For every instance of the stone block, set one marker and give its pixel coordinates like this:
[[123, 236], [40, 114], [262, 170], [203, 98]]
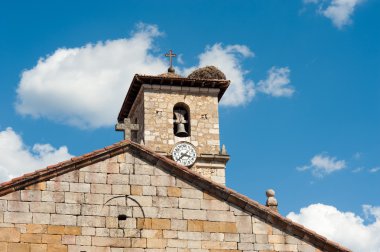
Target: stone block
[[41, 218], [197, 236], [95, 210], [72, 230], [19, 247], [79, 187], [285, 247], [68, 239], [17, 217], [126, 168], [117, 179], [165, 202], [175, 243], [31, 195], [56, 197], [265, 247], [189, 203], [9, 235], [260, 228], [163, 181], [89, 230], [57, 186], [195, 225], [100, 188], [53, 229], [174, 192], [56, 248], [160, 223], [18, 206], [214, 205], [220, 216], [112, 167], [39, 186], [180, 225], [138, 242], [3, 246], [12, 196], [49, 238], [232, 237], [36, 229], [94, 198], [46, 207], [30, 238], [63, 219], [194, 214], [91, 221], [139, 179], [83, 240], [95, 178], [276, 239], [156, 243], [73, 197], [152, 234], [149, 190], [111, 242], [170, 213], [38, 247], [219, 227], [243, 224], [122, 189], [68, 177], [192, 193], [259, 238]]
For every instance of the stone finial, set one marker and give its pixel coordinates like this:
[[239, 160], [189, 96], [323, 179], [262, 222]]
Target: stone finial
[[224, 150], [271, 200]]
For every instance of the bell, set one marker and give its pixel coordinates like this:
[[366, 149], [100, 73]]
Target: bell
[[181, 131]]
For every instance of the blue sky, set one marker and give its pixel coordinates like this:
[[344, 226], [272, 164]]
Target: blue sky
[[303, 116]]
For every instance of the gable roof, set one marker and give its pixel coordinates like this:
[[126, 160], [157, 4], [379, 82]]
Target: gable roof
[[139, 80], [217, 190]]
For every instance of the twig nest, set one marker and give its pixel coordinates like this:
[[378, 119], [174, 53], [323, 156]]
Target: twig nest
[[170, 75], [208, 72]]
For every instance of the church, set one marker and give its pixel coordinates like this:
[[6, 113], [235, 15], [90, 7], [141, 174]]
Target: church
[[160, 189]]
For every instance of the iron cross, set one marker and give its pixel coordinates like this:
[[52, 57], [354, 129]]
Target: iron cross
[[170, 55], [127, 127]]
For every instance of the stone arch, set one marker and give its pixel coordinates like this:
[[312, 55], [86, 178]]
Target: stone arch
[[181, 120]]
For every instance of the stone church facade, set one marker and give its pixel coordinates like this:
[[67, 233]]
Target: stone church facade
[[132, 196]]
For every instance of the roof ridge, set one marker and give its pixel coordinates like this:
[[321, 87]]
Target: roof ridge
[[218, 190]]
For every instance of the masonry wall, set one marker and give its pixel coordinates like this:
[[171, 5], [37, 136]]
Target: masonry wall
[[79, 212], [158, 109]]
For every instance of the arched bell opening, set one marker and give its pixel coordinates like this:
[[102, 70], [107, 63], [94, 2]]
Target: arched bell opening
[[181, 120]]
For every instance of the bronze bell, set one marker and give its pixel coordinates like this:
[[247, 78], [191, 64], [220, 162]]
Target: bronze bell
[[181, 131]]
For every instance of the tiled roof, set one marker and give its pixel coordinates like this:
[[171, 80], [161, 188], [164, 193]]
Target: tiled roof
[[207, 185], [169, 80]]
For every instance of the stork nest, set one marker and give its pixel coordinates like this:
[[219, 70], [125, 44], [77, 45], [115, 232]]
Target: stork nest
[[208, 72]]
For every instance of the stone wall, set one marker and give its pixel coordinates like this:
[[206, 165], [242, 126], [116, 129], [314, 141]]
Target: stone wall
[[158, 109], [80, 211]]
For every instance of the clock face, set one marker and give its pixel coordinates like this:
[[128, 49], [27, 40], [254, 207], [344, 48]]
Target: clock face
[[184, 153]]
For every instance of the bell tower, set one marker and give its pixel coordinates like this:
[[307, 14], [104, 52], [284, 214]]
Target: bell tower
[[178, 117]]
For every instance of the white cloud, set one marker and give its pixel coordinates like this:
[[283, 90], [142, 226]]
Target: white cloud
[[338, 11], [375, 169], [85, 86], [322, 164], [346, 228], [277, 82], [16, 158], [228, 60]]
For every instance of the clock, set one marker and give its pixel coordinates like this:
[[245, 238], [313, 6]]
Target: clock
[[184, 153]]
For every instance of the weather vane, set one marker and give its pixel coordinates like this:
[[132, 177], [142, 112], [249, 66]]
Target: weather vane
[[170, 55]]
